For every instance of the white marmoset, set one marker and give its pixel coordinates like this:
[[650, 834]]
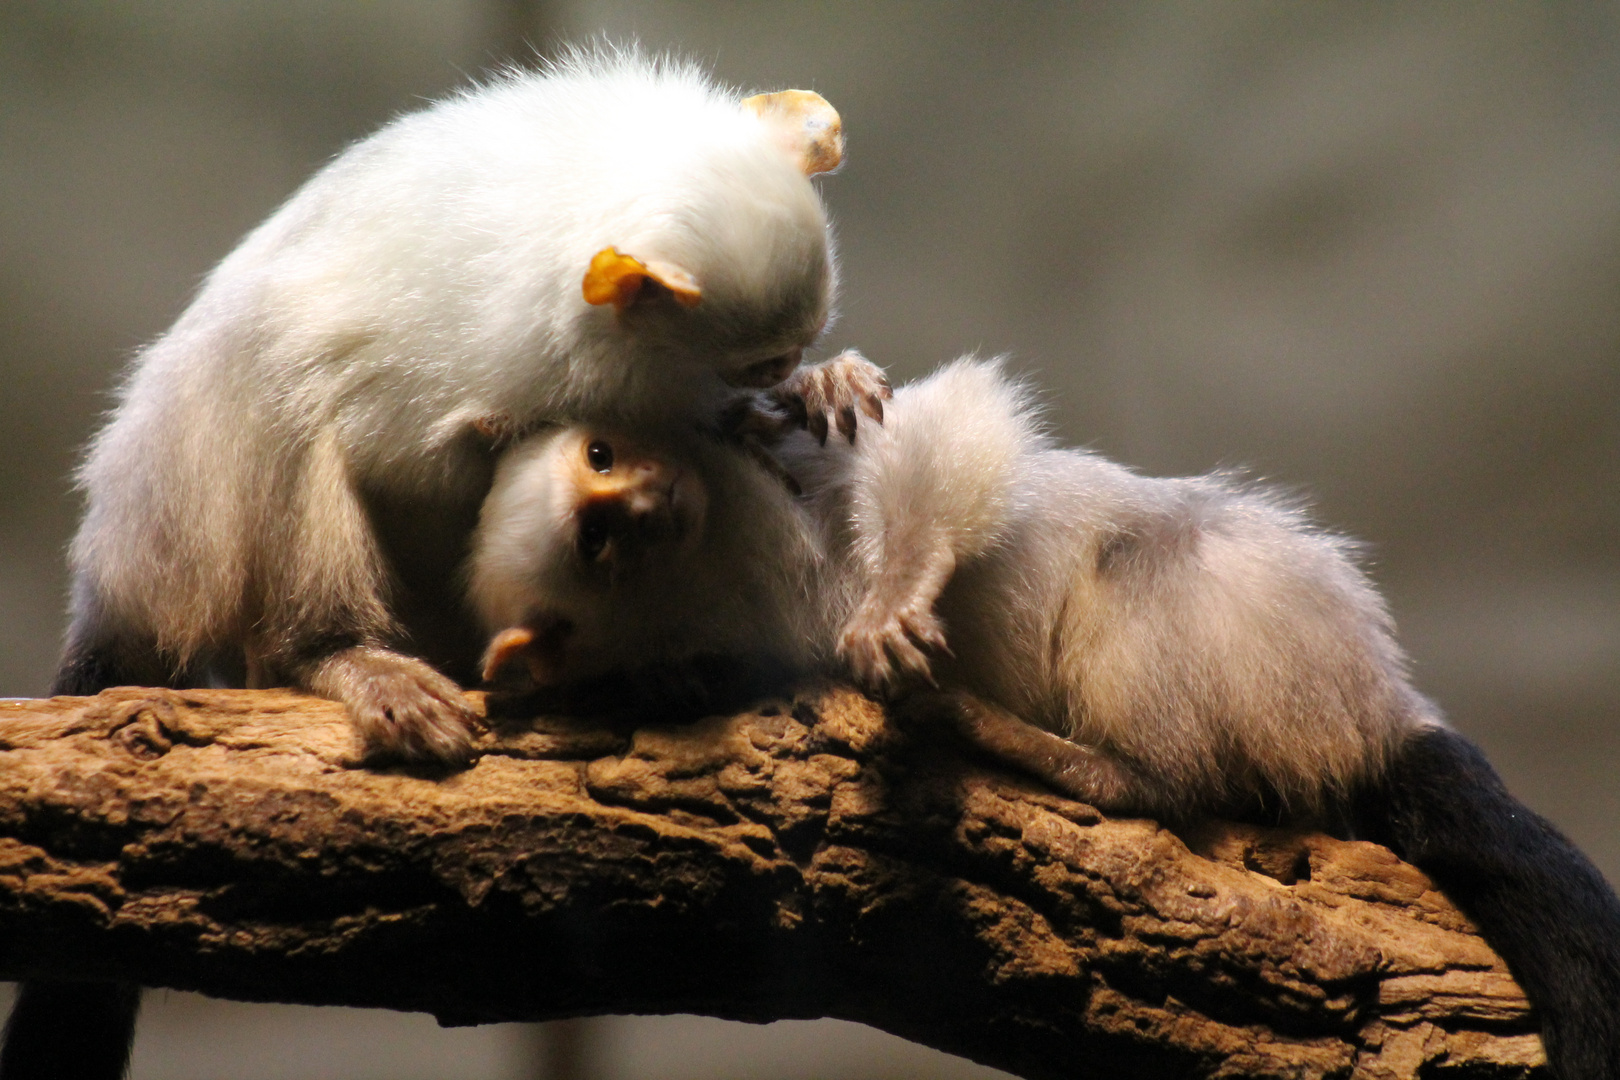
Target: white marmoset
[[1169, 647], [292, 469]]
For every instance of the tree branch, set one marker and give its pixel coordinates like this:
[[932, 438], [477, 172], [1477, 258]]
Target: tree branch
[[808, 859]]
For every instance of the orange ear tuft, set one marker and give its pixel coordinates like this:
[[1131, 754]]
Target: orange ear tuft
[[506, 645], [805, 126], [542, 642], [616, 278]]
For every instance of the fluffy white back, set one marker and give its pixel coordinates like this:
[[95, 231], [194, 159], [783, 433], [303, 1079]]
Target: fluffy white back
[[1199, 630], [426, 282]]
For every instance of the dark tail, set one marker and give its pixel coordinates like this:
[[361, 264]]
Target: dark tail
[[1540, 903], [70, 1031]]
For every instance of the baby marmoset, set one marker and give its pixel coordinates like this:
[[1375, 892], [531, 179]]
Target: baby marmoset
[[291, 469], [1175, 648]]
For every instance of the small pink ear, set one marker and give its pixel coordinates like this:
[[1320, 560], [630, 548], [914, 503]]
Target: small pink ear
[[616, 278], [805, 125]]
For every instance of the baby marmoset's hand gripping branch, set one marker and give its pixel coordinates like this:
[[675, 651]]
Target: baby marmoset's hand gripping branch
[[1176, 648], [293, 469]]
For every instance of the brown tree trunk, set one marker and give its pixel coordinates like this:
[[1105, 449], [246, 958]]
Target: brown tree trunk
[[806, 859]]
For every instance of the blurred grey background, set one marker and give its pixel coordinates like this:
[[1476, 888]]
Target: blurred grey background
[[1369, 251]]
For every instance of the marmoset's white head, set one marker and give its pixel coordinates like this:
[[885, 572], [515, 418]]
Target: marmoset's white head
[[600, 552], [579, 541], [599, 239]]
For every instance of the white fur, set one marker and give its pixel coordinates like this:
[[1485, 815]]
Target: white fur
[[1197, 632], [427, 279], [913, 486], [753, 583]]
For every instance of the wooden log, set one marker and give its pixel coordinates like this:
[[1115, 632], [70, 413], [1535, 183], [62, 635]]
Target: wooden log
[[808, 858]]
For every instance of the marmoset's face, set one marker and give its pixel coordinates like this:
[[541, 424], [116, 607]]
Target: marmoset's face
[[632, 509], [625, 516]]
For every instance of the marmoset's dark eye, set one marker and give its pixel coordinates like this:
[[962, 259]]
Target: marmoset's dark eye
[[600, 456]]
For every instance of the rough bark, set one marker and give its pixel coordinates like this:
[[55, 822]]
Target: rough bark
[[805, 859]]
